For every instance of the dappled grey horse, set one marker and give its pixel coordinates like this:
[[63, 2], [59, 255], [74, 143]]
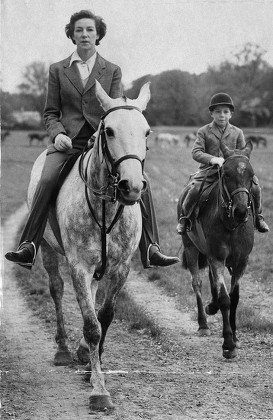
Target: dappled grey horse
[[99, 219]]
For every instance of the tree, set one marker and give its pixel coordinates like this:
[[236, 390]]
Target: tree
[[35, 84]]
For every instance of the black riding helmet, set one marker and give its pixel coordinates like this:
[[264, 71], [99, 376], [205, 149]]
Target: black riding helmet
[[221, 99]]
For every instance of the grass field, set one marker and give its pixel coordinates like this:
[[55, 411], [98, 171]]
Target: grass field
[[168, 170]]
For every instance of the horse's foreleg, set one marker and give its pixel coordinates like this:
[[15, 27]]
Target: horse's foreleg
[[212, 307], [234, 298], [217, 273], [107, 310], [100, 398], [56, 286], [192, 254]]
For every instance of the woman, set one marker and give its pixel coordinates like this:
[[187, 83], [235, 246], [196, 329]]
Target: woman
[[72, 114]]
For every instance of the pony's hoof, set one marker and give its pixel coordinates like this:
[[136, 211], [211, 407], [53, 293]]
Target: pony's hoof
[[229, 354], [211, 309], [204, 332], [62, 358], [100, 403], [83, 354]]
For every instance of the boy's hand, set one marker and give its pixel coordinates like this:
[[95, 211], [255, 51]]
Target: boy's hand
[[217, 161], [62, 142]]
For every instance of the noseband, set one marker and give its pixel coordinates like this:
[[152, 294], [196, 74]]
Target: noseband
[[228, 202]]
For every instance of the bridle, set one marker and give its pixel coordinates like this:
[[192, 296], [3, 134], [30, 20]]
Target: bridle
[[106, 192], [226, 197]]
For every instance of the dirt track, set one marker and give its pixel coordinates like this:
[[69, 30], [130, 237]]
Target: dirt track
[[189, 381]]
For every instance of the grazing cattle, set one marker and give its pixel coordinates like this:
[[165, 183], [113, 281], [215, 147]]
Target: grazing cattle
[[4, 135], [191, 137], [257, 140], [166, 140], [98, 217], [38, 137], [222, 235]]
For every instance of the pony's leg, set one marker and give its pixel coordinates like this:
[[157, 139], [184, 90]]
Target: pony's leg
[[234, 298], [217, 273], [212, 307], [192, 255], [100, 398], [107, 310], [56, 286]]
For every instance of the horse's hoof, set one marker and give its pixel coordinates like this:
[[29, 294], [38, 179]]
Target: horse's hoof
[[229, 354], [83, 354], [62, 358], [204, 332], [87, 374], [211, 309], [100, 403]]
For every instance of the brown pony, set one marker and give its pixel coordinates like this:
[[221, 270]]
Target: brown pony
[[222, 235]]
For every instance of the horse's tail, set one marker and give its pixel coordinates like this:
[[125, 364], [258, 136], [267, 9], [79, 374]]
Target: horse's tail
[[202, 261]]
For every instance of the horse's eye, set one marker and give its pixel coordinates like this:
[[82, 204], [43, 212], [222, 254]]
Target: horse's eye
[[109, 132]]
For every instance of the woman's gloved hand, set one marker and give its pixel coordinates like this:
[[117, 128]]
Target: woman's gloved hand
[[62, 142]]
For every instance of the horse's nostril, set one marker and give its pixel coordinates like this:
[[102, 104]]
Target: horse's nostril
[[145, 184], [123, 185]]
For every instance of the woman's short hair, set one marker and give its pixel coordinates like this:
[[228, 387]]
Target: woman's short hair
[[99, 22]]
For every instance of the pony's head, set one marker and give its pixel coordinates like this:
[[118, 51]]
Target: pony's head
[[123, 141], [236, 179]]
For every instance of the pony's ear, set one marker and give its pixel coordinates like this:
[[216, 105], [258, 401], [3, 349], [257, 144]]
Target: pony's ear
[[144, 96], [248, 149], [225, 150], [102, 96]]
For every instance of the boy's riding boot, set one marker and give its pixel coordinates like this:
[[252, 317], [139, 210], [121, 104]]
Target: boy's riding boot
[[261, 225]]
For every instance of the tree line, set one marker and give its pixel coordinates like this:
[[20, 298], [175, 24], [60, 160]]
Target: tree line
[[178, 97]]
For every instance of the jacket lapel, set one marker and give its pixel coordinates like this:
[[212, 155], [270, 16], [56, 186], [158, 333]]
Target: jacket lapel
[[215, 130], [227, 130], [96, 73], [73, 75]]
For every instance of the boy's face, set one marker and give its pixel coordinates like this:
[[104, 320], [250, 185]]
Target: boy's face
[[221, 115]]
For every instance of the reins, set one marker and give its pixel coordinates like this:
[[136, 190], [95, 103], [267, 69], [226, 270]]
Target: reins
[[107, 192]]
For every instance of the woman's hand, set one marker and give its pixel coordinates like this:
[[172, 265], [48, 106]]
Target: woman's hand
[[62, 142], [217, 161]]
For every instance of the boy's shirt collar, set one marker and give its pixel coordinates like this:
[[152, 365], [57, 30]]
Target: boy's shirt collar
[[217, 130]]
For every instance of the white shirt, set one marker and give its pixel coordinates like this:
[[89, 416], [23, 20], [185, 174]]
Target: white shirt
[[85, 67]]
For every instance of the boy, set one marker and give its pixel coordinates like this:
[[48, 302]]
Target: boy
[[207, 152]]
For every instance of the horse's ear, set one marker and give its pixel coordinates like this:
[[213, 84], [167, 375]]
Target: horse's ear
[[144, 96], [225, 150], [248, 148], [102, 96]]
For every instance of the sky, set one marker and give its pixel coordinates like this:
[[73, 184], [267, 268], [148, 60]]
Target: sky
[[143, 36]]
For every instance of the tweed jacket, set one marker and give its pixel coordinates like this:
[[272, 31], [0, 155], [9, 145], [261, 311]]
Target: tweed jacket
[[207, 143], [69, 104]]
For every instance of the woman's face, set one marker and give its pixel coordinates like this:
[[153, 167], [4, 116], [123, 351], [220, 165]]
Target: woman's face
[[85, 34]]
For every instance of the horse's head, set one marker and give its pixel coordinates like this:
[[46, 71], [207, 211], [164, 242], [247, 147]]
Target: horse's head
[[123, 141], [236, 181]]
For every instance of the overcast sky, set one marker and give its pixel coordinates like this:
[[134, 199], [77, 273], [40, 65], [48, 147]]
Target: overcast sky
[[143, 36]]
